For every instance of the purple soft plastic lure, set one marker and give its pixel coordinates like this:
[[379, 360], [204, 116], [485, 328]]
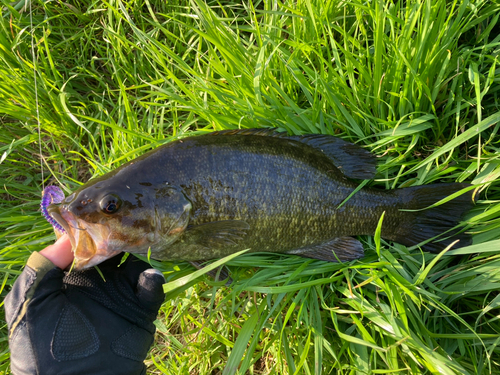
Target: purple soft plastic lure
[[51, 194]]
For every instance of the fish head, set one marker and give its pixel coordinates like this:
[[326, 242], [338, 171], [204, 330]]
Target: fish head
[[103, 219]]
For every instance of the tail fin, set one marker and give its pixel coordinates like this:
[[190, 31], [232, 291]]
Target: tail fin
[[422, 225]]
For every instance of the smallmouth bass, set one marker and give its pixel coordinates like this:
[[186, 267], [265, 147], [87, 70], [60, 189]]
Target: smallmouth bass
[[208, 196]]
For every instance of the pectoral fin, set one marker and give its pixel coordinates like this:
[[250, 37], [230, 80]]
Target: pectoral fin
[[218, 234], [206, 241], [341, 248]]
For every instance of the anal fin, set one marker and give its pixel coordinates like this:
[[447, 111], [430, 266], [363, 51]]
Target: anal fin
[[342, 248]]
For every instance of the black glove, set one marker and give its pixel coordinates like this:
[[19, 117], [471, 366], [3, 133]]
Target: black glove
[[77, 323]]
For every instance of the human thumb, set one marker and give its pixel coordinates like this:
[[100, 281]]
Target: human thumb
[[60, 253]]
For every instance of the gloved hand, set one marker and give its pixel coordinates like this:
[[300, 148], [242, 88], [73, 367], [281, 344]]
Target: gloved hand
[[77, 323]]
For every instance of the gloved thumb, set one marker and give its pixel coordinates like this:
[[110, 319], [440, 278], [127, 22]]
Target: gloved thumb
[[150, 289], [49, 279], [41, 277]]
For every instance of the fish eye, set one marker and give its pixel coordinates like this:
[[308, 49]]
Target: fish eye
[[110, 204]]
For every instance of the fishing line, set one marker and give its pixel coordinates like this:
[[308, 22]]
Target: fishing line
[[36, 92]]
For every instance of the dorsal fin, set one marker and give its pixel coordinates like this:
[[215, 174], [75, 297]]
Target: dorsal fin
[[352, 160]]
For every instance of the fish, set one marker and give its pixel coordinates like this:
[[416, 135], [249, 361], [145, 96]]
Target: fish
[[211, 195]]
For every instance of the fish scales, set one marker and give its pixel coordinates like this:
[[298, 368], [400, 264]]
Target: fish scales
[[209, 196], [294, 194]]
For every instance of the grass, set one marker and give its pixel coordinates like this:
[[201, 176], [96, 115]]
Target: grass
[[415, 81]]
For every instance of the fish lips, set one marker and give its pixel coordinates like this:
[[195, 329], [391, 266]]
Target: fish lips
[[55, 212], [89, 242]]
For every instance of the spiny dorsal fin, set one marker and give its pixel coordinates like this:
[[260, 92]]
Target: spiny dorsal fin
[[352, 160]]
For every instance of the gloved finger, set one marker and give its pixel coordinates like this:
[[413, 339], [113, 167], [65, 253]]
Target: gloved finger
[[131, 270], [127, 271], [111, 263], [150, 289]]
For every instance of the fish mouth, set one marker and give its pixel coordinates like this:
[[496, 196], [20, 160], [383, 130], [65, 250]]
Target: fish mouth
[[89, 242], [55, 213]]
